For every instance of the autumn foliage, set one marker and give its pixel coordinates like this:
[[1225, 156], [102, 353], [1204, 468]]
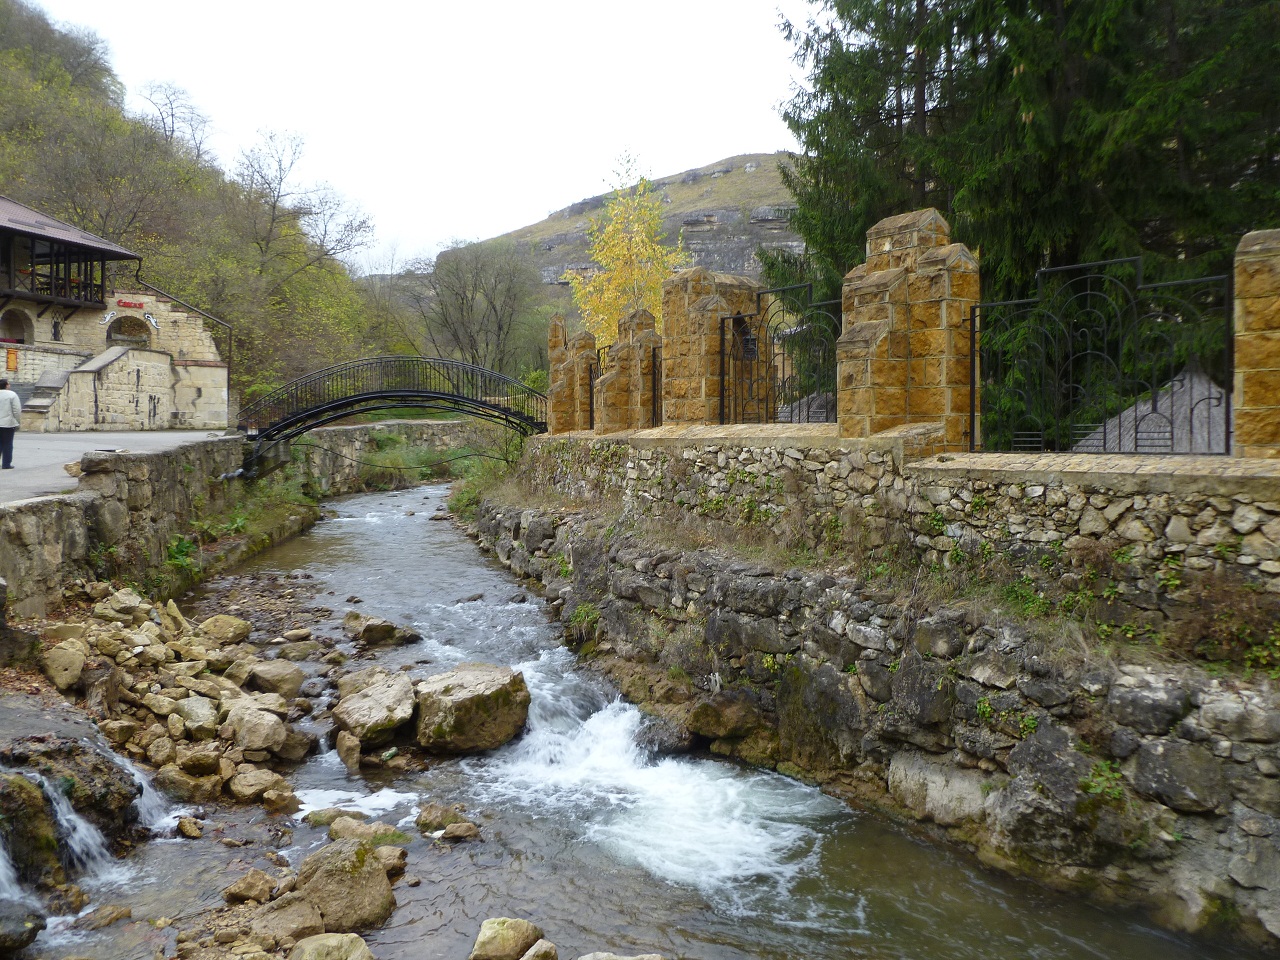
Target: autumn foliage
[[626, 244]]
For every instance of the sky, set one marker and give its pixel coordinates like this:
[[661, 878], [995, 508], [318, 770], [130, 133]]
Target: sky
[[454, 120]]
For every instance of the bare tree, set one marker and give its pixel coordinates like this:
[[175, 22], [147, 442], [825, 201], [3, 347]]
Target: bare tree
[[471, 302], [294, 228], [177, 119]]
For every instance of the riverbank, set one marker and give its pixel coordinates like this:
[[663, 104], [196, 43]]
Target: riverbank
[[1135, 781]]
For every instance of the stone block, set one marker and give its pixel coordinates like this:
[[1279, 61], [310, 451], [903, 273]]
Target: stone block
[[1257, 427], [1257, 314], [929, 343], [889, 401], [927, 401], [1258, 351], [1259, 388]]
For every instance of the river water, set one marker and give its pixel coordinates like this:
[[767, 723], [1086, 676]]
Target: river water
[[603, 845]]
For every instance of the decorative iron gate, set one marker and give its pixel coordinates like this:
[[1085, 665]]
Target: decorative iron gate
[[778, 365], [1100, 362]]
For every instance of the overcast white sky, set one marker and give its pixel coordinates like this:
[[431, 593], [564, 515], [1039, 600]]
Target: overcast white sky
[[463, 119]]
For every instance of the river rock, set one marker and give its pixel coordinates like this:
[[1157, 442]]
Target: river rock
[[348, 747], [254, 885], [393, 859], [478, 706], [31, 836], [221, 630], [614, 956], [349, 828], [64, 663], [252, 784], [281, 799], [289, 916], [162, 751], [278, 676], [348, 885], [542, 950], [331, 946], [436, 816], [373, 631], [199, 760], [183, 787], [19, 925], [504, 938], [200, 715], [191, 828], [352, 683], [256, 729], [373, 714], [462, 830]]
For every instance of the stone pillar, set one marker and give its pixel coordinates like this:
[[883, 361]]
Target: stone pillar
[[1256, 392], [903, 356], [693, 303], [571, 362], [628, 377]]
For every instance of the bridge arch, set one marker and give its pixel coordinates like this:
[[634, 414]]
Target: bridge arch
[[387, 383]]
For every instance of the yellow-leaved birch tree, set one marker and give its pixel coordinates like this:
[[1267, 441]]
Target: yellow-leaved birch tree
[[626, 243]]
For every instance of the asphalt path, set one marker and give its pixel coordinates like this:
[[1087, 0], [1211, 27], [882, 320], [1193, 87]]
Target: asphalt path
[[39, 458]]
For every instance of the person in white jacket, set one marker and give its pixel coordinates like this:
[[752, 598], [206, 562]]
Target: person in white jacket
[[10, 417]]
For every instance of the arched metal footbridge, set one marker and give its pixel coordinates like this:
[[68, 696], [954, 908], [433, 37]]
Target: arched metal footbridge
[[387, 383]]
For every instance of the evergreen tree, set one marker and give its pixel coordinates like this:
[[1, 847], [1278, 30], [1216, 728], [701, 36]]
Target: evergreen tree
[[1048, 131]]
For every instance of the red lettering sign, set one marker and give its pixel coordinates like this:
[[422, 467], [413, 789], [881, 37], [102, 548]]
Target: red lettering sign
[[132, 304]]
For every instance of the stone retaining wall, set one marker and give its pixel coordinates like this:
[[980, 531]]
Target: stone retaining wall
[[134, 504], [1154, 520], [1157, 787]]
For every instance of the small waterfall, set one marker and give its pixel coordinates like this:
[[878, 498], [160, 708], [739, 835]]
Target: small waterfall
[[10, 888], [85, 848], [155, 813]]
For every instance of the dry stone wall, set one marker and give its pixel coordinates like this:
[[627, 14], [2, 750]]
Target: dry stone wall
[[1157, 787], [1159, 521]]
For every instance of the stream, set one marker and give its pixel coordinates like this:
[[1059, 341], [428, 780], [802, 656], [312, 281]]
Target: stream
[[603, 845]]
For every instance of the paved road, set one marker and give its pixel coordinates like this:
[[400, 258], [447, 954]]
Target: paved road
[[38, 458]]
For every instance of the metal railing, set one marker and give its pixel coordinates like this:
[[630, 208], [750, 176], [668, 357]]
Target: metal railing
[[778, 365], [382, 383], [1101, 362]]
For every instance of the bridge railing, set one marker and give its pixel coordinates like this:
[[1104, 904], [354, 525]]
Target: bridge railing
[[407, 378]]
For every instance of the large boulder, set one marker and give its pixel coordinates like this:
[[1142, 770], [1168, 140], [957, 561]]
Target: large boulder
[[348, 885], [255, 885], [372, 631], [200, 715], [253, 784], [183, 787], [19, 925], [504, 938], [373, 714], [278, 676], [331, 946], [256, 729], [478, 706], [221, 630], [290, 916], [64, 663]]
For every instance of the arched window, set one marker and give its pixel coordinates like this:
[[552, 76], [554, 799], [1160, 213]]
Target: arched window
[[17, 327], [128, 330]]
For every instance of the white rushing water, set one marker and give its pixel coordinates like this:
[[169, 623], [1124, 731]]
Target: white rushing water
[[741, 838], [84, 846], [155, 812], [10, 887]]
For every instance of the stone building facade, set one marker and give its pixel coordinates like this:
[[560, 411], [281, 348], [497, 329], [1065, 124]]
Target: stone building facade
[[85, 356]]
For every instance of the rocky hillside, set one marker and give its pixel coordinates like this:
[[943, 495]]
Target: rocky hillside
[[724, 212]]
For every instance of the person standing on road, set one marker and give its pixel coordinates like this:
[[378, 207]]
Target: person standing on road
[[10, 418]]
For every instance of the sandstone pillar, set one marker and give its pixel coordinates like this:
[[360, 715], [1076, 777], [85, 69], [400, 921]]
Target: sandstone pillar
[[1256, 391], [572, 365], [903, 356], [693, 305]]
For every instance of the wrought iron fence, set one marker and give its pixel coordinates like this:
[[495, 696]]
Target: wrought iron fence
[[778, 365], [1101, 362]]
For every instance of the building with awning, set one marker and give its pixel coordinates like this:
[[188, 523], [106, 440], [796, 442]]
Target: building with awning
[[88, 350]]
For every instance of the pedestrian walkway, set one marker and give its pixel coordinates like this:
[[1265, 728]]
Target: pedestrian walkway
[[39, 458]]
